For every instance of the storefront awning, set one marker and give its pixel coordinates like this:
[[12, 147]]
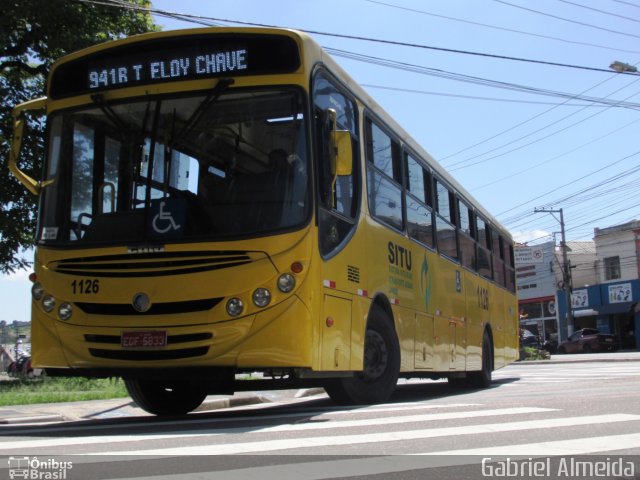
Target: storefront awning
[[587, 312], [613, 308]]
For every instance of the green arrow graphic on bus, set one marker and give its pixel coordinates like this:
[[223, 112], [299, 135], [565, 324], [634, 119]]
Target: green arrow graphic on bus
[[425, 281]]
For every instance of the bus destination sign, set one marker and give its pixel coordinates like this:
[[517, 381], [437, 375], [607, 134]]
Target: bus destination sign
[[175, 58], [150, 70]]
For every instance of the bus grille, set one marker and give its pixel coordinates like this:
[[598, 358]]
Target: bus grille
[[151, 264], [168, 308], [142, 355]]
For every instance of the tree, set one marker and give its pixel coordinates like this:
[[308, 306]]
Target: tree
[[33, 35]]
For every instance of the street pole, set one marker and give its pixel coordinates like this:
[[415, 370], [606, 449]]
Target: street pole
[[566, 268]]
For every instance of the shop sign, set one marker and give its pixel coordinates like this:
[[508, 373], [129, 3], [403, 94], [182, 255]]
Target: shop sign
[[620, 293], [580, 298]]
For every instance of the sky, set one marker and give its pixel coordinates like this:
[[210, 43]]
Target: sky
[[478, 91]]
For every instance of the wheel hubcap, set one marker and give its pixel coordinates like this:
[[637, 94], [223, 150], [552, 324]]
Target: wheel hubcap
[[375, 356]]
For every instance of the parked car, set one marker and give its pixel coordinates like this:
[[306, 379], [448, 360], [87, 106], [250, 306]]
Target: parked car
[[588, 340], [528, 339]]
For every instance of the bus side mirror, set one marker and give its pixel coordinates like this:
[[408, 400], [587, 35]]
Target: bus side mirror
[[16, 142], [340, 150], [341, 154], [344, 154]]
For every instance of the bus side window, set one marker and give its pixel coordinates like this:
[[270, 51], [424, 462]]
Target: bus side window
[[510, 268], [446, 221], [338, 206], [418, 202], [483, 265], [384, 176], [466, 235], [498, 258]]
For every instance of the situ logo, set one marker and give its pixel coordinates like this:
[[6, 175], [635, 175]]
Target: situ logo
[[38, 469]]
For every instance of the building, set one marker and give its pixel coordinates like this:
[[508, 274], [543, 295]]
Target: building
[[539, 277], [536, 280], [611, 303]]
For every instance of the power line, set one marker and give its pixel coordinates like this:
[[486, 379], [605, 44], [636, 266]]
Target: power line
[[627, 3], [497, 27], [410, 67], [115, 3], [474, 97], [460, 165], [617, 32], [600, 11], [557, 156], [569, 183]]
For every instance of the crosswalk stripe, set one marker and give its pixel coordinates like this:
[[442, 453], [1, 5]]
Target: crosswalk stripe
[[390, 407], [337, 440], [575, 446], [378, 465], [431, 417], [26, 444]]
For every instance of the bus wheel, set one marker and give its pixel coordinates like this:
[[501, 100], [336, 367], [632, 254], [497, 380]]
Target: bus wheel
[[165, 397], [482, 379], [379, 377]]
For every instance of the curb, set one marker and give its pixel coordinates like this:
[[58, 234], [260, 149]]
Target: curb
[[586, 360], [36, 419], [220, 403]]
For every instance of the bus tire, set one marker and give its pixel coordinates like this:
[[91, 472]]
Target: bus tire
[[379, 377], [165, 397], [482, 379]]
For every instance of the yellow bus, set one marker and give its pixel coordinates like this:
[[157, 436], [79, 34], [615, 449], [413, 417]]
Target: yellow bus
[[228, 200]]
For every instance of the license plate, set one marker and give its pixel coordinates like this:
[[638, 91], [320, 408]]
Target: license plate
[[147, 339], [608, 340]]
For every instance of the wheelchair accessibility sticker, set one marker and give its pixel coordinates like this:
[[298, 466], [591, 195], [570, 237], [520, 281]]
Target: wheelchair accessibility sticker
[[167, 217]]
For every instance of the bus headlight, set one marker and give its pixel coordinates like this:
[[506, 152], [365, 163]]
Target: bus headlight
[[261, 297], [64, 311], [286, 282], [48, 303], [37, 291], [235, 307]]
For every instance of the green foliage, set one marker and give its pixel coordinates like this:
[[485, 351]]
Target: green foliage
[[33, 35], [23, 391], [530, 353]]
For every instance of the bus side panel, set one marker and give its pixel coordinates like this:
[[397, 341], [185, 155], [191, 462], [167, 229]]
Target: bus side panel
[[336, 334], [477, 317], [345, 298], [393, 265], [278, 339], [47, 352], [424, 351], [448, 304], [496, 308], [512, 326]]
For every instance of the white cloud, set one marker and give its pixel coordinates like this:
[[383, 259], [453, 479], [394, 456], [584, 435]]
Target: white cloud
[[534, 236]]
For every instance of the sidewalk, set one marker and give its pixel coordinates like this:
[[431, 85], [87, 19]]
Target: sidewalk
[[624, 356], [124, 407]]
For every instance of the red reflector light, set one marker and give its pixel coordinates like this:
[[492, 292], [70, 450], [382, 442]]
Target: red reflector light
[[33, 277], [296, 267]]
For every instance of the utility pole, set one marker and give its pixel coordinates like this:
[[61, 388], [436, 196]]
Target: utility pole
[[566, 268]]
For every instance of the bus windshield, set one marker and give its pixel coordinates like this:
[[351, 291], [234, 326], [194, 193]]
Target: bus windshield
[[229, 163]]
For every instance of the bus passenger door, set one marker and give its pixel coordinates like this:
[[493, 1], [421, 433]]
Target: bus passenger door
[[453, 344], [441, 343], [336, 334], [424, 349]]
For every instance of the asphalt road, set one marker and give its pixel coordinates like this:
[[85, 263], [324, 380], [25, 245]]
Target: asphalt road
[[577, 412]]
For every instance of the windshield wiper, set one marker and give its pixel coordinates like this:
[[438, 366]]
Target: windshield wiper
[[112, 116], [204, 106]]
